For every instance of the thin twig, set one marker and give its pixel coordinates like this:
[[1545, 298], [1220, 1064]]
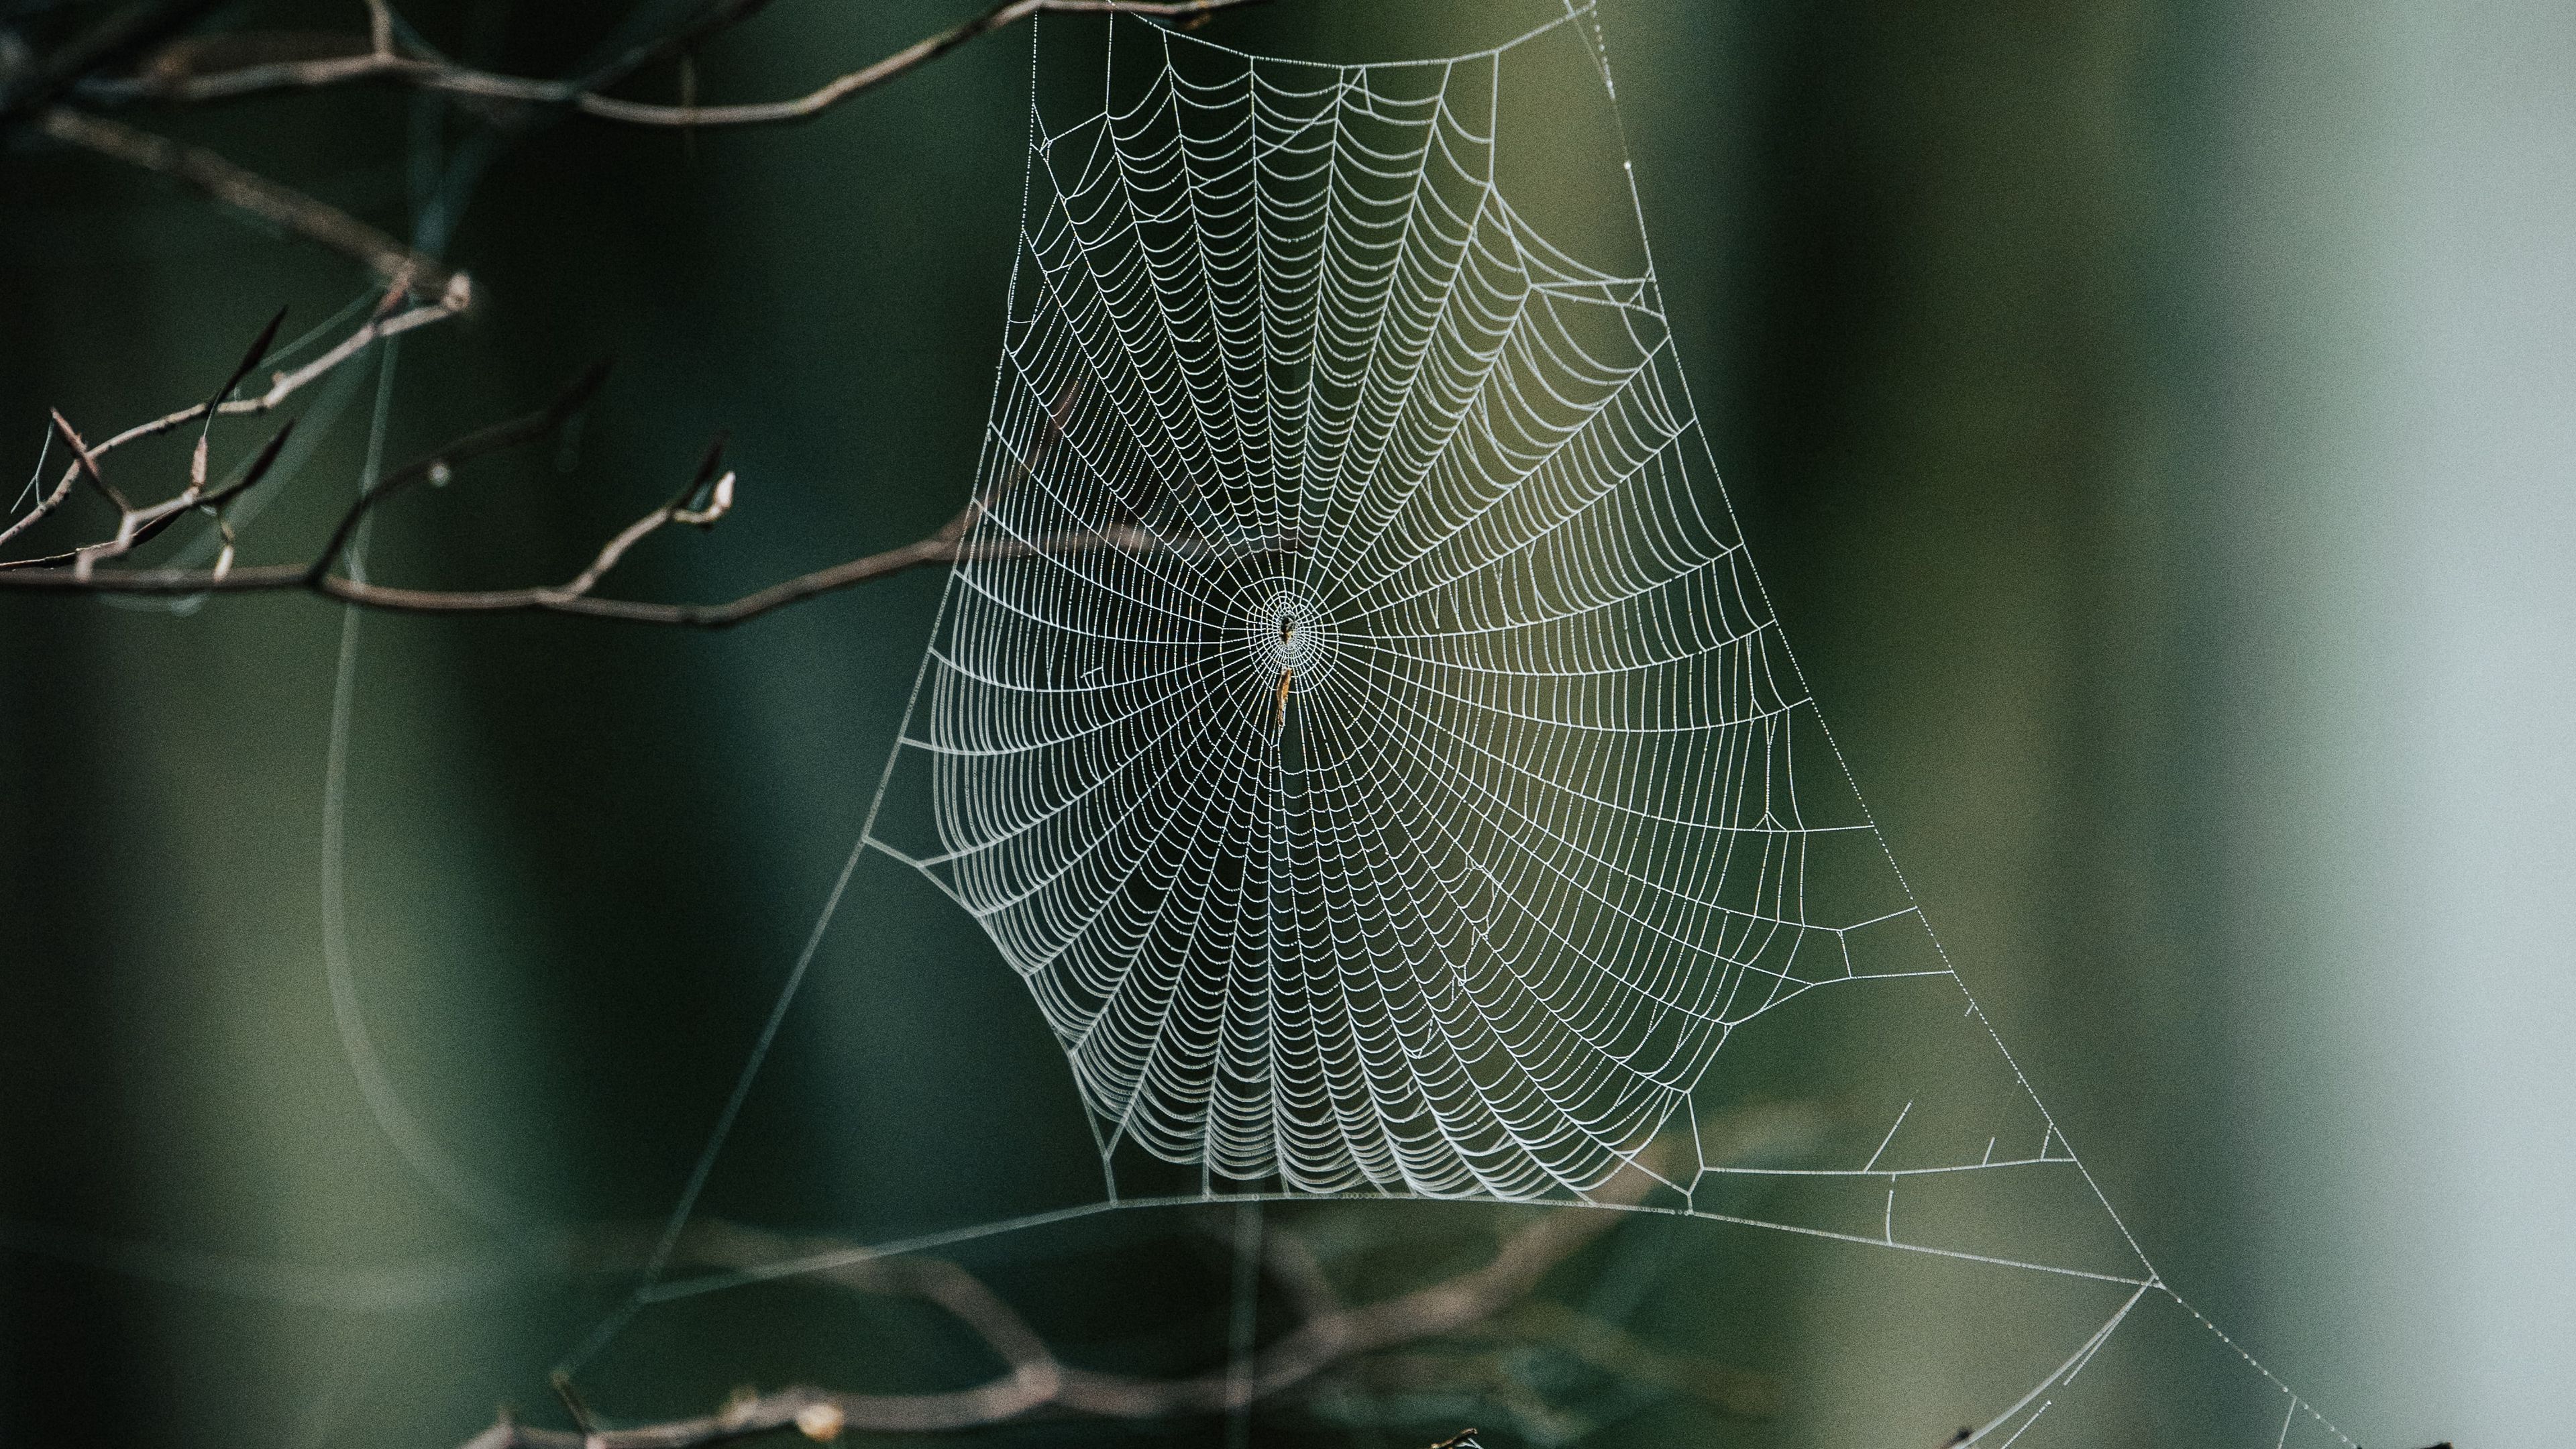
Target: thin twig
[[138, 526], [85, 463], [584, 94], [717, 493], [438, 465], [562, 1384], [707, 498], [383, 324], [563, 598], [273, 202]]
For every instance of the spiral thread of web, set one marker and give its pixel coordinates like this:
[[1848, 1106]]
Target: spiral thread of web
[[1347, 718]]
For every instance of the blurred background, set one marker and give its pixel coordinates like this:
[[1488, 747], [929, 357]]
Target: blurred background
[[2152, 420]]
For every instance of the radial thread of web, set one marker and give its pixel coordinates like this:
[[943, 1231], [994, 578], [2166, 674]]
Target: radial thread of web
[[1346, 719], [1355, 718]]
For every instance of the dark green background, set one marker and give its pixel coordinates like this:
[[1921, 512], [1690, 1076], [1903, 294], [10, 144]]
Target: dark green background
[[2031, 339]]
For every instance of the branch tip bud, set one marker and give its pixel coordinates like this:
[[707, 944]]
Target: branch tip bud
[[820, 1421]]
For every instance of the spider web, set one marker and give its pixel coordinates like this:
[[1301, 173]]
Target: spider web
[[1348, 717], [1356, 720]]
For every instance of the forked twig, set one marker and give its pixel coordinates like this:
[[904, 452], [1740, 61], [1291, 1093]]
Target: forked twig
[[706, 499], [386, 322]]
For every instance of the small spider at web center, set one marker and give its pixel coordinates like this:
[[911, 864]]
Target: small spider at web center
[[1287, 676], [1294, 643]]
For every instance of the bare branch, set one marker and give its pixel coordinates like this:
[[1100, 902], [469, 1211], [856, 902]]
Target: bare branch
[[708, 498], [272, 202], [139, 526], [718, 495], [382, 63], [86, 464], [251, 358], [563, 599], [920, 52], [438, 465], [1035, 1380], [283, 385]]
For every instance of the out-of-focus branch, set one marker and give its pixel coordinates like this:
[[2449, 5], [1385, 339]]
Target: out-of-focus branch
[[382, 62], [126, 31], [279, 205], [1035, 1380]]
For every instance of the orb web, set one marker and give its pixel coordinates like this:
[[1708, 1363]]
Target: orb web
[[1354, 717], [1348, 716]]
